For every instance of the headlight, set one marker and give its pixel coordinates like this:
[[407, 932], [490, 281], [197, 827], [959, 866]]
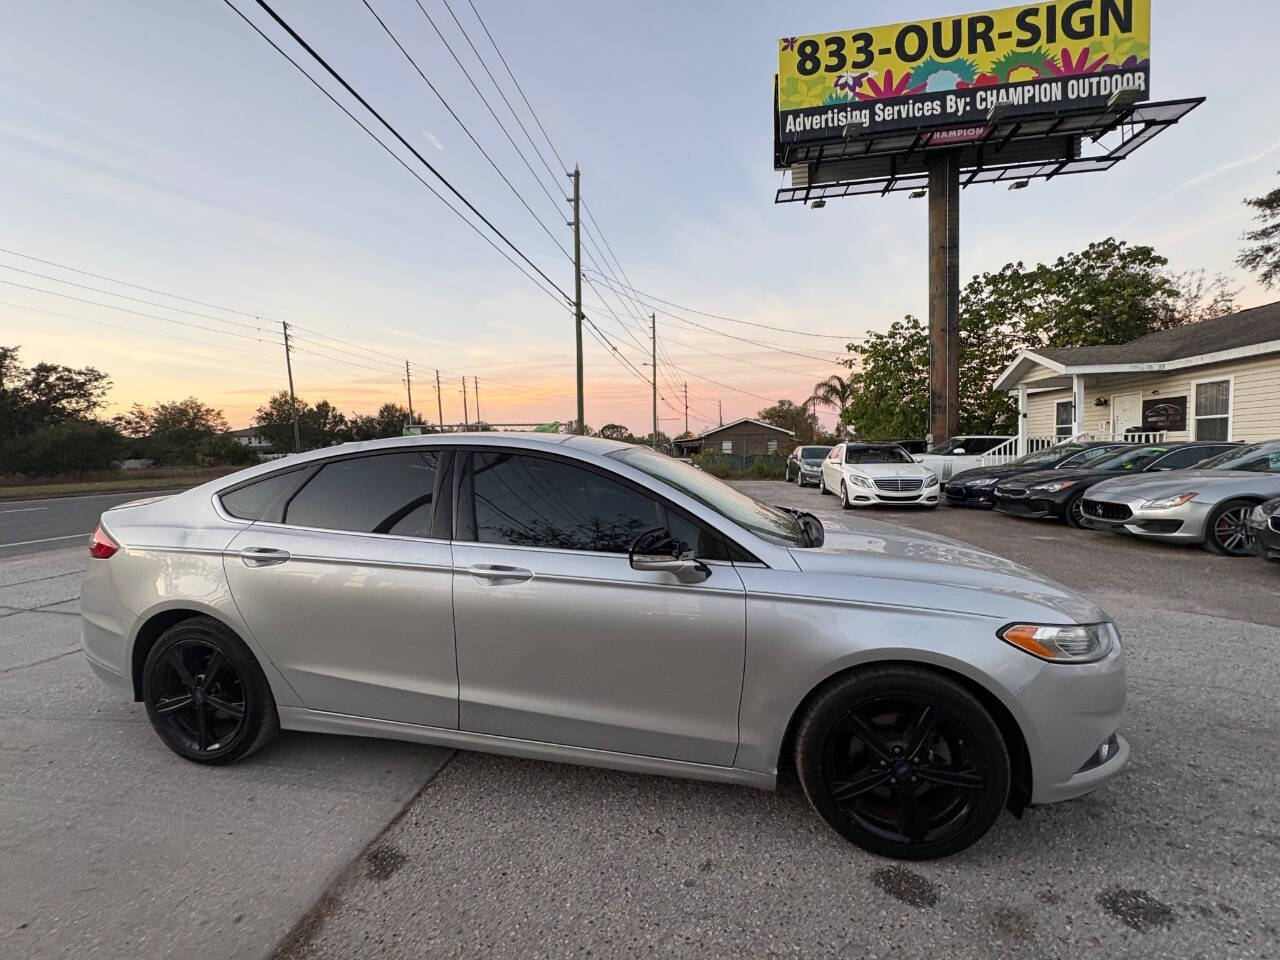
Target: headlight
[[1080, 643], [1053, 487], [931, 480], [859, 481], [1168, 503], [983, 482]]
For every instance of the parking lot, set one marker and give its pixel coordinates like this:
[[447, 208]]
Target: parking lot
[[114, 847]]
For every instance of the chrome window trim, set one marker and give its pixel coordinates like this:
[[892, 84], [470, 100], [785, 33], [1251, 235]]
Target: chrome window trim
[[272, 524]]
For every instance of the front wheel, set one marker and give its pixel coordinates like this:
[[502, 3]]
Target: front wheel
[[1227, 530], [1073, 513], [822, 484], [844, 497], [903, 762], [205, 694]]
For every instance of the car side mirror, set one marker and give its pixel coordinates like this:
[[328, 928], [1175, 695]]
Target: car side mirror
[[656, 551], [958, 451]]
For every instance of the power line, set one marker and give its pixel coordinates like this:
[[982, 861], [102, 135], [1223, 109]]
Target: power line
[[749, 323], [726, 386], [394, 155]]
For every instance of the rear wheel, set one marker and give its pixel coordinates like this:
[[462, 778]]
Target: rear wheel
[[205, 694], [1227, 530], [903, 762]]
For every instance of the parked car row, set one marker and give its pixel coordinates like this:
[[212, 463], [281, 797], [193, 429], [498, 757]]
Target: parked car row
[[1223, 495]]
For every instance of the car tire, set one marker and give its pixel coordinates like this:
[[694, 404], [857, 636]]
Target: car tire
[[1073, 511], [205, 694], [1227, 529], [903, 762], [822, 485], [844, 497], [786, 476]]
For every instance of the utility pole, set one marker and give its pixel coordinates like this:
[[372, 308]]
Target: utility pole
[[465, 421], [475, 381], [686, 406], [408, 385], [653, 331], [720, 410], [293, 404], [439, 402], [944, 294], [577, 288]]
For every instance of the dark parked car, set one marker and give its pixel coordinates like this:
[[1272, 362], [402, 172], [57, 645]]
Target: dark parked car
[[805, 464], [1057, 494], [976, 487], [1264, 529]]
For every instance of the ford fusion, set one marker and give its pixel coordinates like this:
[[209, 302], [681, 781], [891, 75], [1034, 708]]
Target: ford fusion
[[588, 601], [867, 474]]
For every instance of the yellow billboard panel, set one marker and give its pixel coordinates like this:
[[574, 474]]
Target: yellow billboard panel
[[1032, 58]]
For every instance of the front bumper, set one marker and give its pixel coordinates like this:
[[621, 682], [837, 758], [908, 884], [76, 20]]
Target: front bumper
[[1184, 524], [959, 495], [1033, 508], [870, 497], [1069, 711], [1265, 541]]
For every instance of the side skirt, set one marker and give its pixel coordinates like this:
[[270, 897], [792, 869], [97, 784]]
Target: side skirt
[[317, 721]]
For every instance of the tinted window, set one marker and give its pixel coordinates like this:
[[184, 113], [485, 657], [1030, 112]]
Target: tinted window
[[813, 453], [534, 502], [387, 493], [1051, 455], [262, 498], [1092, 454], [1183, 458], [1241, 458], [705, 544], [1134, 458]]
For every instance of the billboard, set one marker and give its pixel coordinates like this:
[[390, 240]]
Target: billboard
[[1034, 58]]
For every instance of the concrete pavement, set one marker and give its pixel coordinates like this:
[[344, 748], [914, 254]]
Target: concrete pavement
[[112, 847]]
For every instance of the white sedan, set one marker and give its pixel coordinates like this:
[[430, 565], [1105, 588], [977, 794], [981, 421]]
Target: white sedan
[[866, 474]]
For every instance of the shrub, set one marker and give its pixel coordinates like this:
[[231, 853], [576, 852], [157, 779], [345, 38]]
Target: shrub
[[76, 446]]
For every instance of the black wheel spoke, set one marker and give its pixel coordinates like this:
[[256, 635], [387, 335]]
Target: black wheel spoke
[[174, 704], [920, 731], [211, 669], [225, 706], [862, 730], [959, 779], [174, 659], [202, 727], [843, 791], [914, 824]]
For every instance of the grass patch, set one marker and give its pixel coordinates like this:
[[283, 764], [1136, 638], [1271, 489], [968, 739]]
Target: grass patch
[[162, 478]]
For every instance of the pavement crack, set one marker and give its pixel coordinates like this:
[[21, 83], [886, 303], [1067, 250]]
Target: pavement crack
[[36, 663], [44, 608], [52, 576]]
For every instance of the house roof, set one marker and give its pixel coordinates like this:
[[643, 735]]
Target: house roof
[[758, 423], [1245, 333], [244, 432]]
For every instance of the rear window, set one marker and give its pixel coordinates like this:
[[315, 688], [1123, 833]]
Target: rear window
[[261, 499]]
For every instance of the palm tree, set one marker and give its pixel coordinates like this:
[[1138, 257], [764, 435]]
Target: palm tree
[[837, 393]]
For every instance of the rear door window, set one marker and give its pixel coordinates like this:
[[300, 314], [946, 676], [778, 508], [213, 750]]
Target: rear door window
[[387, 493]]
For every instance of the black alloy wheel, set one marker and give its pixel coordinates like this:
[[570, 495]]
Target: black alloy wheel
[[1073, 513], [1227, 530], [903, 762], [205, 694]]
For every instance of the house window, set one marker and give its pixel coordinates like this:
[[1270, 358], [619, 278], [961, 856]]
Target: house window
[[726, 446], [773, 446], [1213, 410], [1064, 418]]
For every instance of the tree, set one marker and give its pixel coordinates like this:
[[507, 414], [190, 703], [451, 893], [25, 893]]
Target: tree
[[797, 418], [836, 392], [274, 420], [46, 394], [389, 421], [1263, 257], [73, 446], [616, 431], [174, 432]]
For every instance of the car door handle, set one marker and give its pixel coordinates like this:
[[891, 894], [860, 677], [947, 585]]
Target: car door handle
[[499, 573], [263, 556]]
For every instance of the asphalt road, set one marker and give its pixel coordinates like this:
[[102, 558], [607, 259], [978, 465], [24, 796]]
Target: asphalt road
[[111, 846], [38, 526]]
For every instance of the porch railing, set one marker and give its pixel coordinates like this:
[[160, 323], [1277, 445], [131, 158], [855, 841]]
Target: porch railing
[[1007, 452]]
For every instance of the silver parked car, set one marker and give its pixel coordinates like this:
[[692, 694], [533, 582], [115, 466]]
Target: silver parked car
[[1209, 504], [588, 601]]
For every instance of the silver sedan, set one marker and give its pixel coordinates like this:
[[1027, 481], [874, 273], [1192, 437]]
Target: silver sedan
[[1209, 505], [588, 601]]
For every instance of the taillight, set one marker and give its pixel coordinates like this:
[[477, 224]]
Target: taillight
[[101, 546]]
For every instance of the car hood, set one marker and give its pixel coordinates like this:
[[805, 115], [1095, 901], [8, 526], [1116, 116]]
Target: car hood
[[887, 469], [981, 473], [1057, 476], [1152, 486], [878, 563]]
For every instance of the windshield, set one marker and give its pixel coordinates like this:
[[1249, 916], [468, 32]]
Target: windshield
[[814, 453], [1133, 459], [1090, 454], [886, 454], [1052, 455], [1245, 458], [767, 522]]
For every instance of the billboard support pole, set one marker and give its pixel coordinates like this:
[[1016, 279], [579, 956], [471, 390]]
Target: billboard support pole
[[944, 294]]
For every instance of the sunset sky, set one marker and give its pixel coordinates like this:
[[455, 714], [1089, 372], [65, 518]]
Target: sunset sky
[[166, 145]]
